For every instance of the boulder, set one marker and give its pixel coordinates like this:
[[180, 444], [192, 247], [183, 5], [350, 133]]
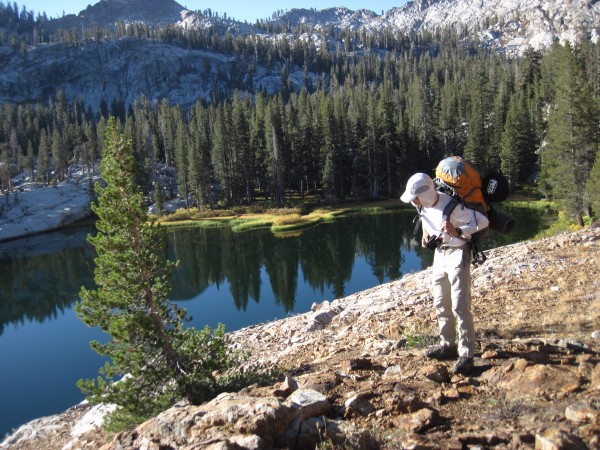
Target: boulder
[[436, 372], [359, 404], [320, 432], [228, 421], [555, 439], [534, 381], [418, 421], [582, 413]]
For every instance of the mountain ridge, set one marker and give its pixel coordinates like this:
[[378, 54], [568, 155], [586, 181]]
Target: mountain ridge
[[517, 23], [99, 68]]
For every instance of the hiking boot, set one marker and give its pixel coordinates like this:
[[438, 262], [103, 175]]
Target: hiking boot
[[463, 365], [441, 352]]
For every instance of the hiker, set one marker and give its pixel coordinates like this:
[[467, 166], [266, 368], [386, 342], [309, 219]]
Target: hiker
[[451, 276]]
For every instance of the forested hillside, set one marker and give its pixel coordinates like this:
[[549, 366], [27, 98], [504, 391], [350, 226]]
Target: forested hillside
[[369, 113]]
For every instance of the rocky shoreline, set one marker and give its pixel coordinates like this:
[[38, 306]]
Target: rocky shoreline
[[355, 376]]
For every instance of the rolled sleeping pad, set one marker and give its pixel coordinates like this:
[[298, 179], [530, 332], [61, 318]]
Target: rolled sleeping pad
[[501, 222]]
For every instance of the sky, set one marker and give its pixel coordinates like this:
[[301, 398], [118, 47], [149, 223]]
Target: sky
[[241, 10]]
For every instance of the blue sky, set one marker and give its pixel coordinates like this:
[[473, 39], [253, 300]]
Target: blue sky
[[239, 9]]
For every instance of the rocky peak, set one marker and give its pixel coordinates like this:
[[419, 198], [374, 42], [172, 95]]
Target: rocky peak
[[512, 25], [420, 5], [340, 17], [509, 25], [109, 12]]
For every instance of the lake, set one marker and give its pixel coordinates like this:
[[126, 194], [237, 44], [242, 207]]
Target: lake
[[237, 279]]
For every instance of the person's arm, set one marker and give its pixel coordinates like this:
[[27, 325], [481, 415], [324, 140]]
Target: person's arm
[[469, 221]]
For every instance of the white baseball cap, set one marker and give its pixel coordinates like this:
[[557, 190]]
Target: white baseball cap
[[416, 186]]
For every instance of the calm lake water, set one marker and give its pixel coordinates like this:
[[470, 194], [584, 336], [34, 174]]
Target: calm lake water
[[238, 279]]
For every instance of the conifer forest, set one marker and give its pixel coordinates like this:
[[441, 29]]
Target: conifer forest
[[383, 106]]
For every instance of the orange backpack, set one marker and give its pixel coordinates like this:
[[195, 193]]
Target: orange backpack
[[459, 178]]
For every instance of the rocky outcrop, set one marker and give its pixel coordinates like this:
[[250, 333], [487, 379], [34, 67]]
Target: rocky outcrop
[[34, 208], [512, 25], [251, 422], [125, 69], [355, 376]]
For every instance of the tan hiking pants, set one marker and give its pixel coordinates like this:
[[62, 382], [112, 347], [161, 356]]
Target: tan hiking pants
[[451, 282]]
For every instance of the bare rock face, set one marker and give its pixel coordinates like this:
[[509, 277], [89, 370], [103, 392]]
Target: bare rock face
[[128, 69], [238, 421]]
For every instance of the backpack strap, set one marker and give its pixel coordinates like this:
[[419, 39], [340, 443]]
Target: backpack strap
[[417, 221], [449, 208], [479, 256]]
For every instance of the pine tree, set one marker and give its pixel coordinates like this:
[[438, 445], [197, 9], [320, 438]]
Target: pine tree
[[241, 145], [5, 170], [43, 167], [517, 140], [162, 361], [181, 160], [199, 157], [501, 104], [30, 160], [306, 160], [572, 136], [475, 149], [327, 146], [58, 156], [370, 148], [221, 154], [159, 201], [274, 147], [385, 116], [593, 187], [258, 142]]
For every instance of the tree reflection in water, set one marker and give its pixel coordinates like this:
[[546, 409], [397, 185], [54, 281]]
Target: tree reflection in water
[[41, 276], [324, 255]]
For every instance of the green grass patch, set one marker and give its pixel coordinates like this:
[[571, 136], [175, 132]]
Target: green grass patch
[[281, 220], [560, 220], [419, 340], [194, 224], [239, 225], [531, 204], [561, 224], [289, 228]]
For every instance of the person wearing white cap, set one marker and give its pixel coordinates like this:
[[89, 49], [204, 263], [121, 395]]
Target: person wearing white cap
[[451, 274]]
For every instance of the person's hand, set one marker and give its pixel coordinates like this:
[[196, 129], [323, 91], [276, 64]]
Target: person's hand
[[448, 227], [424, 240]]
